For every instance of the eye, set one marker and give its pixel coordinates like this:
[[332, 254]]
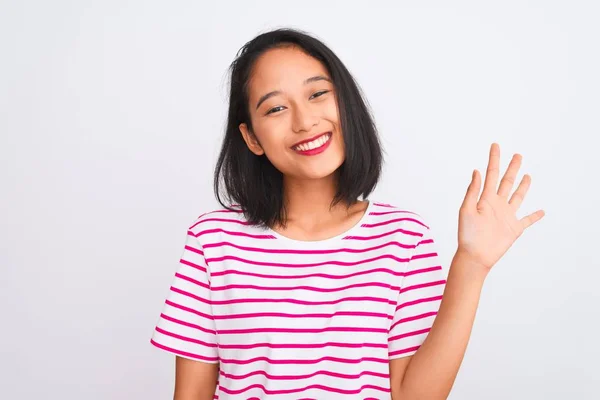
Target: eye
[[319, 94], [274, 110]]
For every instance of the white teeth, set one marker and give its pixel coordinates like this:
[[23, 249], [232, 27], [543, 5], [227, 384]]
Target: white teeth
[[314, 144], [318, 142]]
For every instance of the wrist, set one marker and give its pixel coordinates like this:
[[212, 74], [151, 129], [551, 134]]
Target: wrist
[[467, 266]]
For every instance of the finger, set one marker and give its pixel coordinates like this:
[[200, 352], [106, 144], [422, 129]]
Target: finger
[[519, 195], [532, 218], [491, 174], [472, 195], [508, 180]]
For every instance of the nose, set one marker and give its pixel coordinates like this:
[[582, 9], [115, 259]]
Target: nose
[[303, 119]]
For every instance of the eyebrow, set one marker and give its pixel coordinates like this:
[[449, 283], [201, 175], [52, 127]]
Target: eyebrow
[[315, 78]]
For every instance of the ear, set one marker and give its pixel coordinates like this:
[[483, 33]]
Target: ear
[[251, 140]]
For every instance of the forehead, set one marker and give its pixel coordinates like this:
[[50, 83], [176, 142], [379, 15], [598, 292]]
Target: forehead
[[283, 68]]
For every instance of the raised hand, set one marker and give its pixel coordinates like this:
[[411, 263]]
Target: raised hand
[[488, 226]]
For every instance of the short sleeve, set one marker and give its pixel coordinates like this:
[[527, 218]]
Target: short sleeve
[[419, 299], [186, 325]]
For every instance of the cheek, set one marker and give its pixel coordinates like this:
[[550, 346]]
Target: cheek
[[271, 135], [333, 116], [331, 111]]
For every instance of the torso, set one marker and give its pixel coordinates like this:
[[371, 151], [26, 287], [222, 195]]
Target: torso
[[298, 319]]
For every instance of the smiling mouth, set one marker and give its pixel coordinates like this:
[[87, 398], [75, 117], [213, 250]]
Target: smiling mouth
[[313, 144]]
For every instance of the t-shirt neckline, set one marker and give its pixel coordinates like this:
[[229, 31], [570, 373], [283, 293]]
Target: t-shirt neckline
[[349, 232]]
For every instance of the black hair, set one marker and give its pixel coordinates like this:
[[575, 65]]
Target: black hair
[[252, 182]]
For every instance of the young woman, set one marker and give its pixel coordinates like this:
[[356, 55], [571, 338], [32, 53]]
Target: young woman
[[296, 289]]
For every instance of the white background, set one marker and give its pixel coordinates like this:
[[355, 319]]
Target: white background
[[111, 115]]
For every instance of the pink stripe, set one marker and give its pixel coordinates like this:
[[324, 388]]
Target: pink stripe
[[408, 334], [290, 330], [371, 237], [423, 300], [408, 350], [187, 278], [287, 265], [286, 315], [290, 391], [425, 241], [304, 346], [191, 264], [193, 249], [422, 285], [189, 325], [413, 318], [301, 302], [233, 221], [311, 288], [185, 338], [188, 294], [184, 353], [386, 205], [391, 212], [424, 255], [295, 251], [327, 276], [423, 270], [184, 308], [233, 233], [416, 317], [297, 377], [304, 362], [391, 221]]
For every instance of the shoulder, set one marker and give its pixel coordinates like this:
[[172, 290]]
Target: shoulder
[[407, 221], [217, 218], [225, 225]]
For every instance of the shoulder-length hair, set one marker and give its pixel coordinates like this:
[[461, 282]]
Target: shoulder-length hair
[[252, 182]]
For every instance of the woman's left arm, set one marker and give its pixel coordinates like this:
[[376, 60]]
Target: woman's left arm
[[487, 228]]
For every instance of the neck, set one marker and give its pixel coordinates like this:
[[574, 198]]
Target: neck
[[308, 201]]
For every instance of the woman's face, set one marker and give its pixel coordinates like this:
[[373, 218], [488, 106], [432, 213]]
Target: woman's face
[[292, 101]]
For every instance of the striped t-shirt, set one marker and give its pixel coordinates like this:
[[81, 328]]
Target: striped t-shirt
[[290, 319]]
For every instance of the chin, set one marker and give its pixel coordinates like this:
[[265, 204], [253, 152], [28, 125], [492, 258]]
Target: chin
[[319, 171]]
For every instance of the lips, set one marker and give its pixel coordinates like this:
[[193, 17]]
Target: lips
[[317, 146], [310, 139]]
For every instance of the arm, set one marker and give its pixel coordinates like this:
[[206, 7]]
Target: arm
[[431, 371], [186, 326], [487, 228], [195, 380]]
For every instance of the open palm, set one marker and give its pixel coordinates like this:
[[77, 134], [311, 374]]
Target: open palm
[[488, 226]]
